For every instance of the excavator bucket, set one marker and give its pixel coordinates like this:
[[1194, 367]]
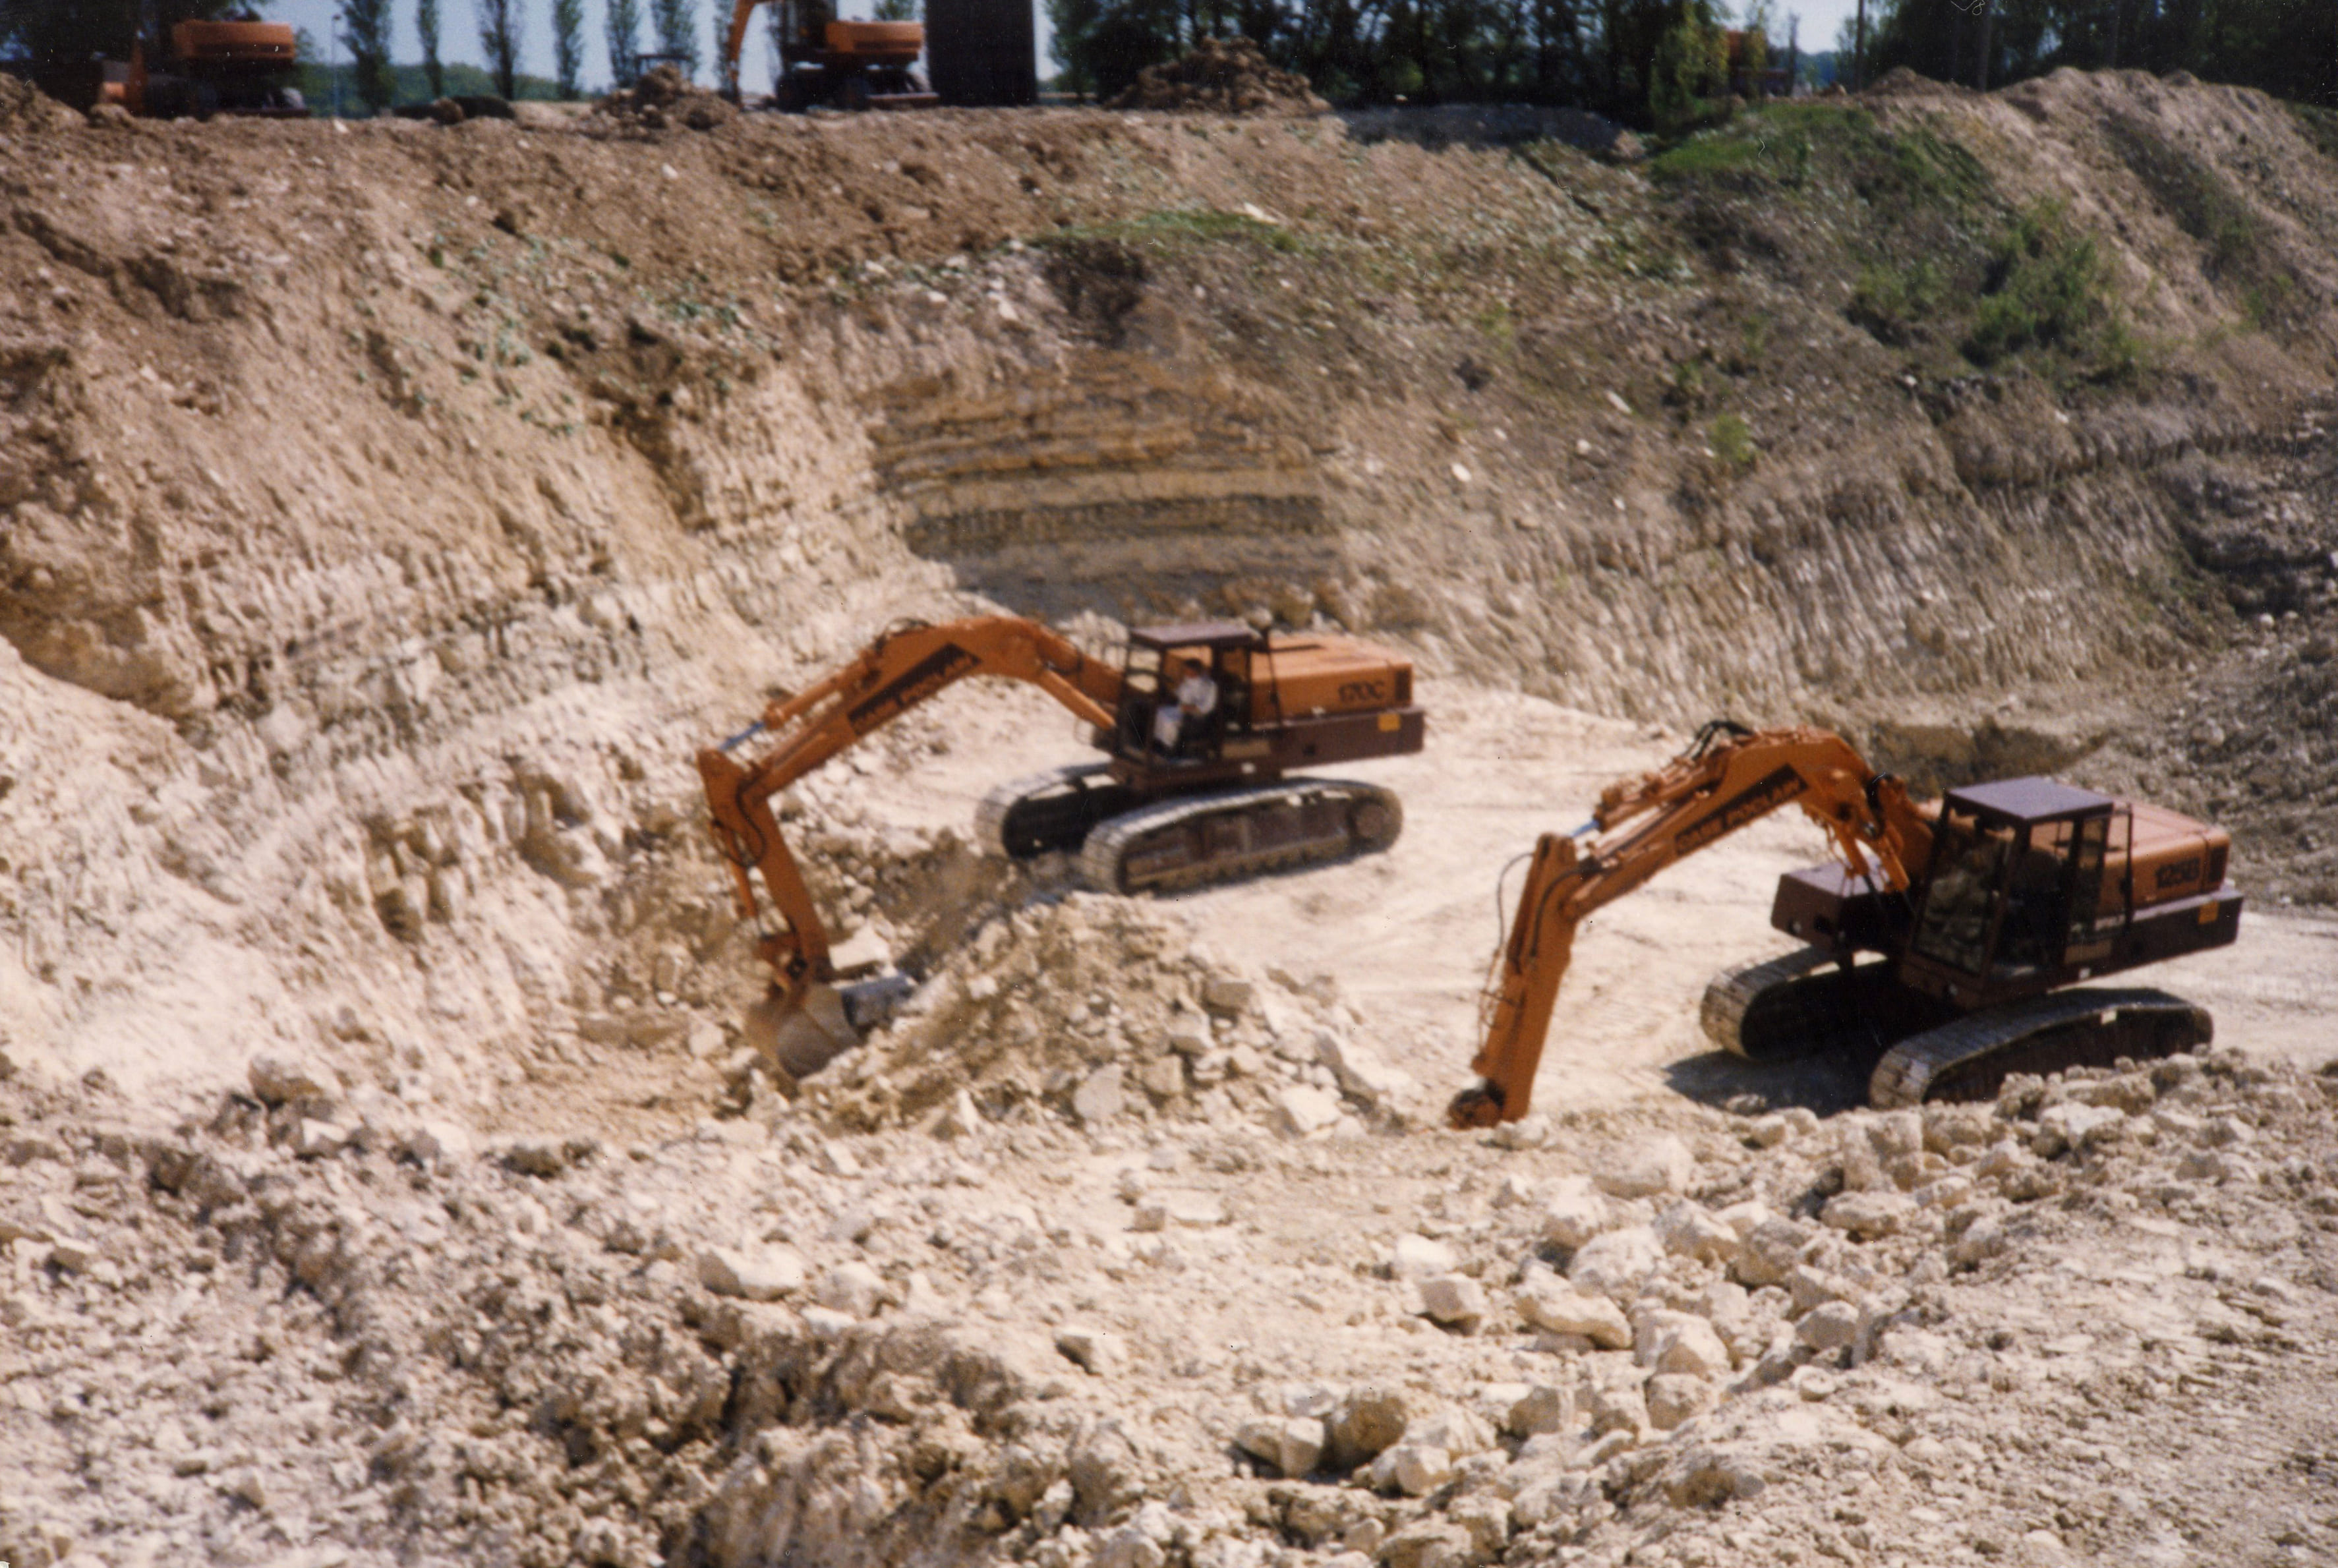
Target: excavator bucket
[[800, 1035], [803, 1036]]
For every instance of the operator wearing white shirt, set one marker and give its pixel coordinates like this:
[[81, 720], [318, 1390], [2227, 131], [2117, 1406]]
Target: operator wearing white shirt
[[1196, 697]]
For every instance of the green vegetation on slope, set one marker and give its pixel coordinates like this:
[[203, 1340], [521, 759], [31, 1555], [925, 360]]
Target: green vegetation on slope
[[1941, 265]]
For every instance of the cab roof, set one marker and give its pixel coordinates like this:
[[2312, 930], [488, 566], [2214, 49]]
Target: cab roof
[[2030, 799], [1197, 634]]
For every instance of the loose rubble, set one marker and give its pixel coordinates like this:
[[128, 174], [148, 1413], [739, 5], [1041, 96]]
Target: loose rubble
[[767, 1344], [663, 97], [1222, 76], [384, 1174], [1104, 1013]]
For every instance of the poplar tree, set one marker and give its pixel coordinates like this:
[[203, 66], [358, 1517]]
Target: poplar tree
[[567, 45], [500, 25], [624, 30], [426, 23]]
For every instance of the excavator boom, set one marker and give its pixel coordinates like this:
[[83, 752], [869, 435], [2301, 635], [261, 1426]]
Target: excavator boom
[[899, 670], [1729, 777]]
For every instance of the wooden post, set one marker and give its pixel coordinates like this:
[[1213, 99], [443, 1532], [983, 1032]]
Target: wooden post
[[1987, 15], [1859, 49]]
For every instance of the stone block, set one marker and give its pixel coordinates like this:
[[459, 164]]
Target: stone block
[[1456, 1301], [1305, 1109], [1647, 1169], [853, 1288], [1415, 1469], [754, 1273], [1574, 1213], [1832, 1327], [280, 1080], [1369, 1419], [1614, 1264], [1867, 1215], [1100, 1096], [1673, 1398], [1417, 1257], [1094, 1350], [1681, 1344], [1551, 1304], [1293, 1444]]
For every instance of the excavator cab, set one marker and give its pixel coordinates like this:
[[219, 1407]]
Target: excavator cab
[[1155, 664], [2016, 867], [838, 64], [2034, 885]]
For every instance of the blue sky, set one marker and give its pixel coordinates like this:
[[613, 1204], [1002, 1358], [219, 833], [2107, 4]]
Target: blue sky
[[459, 33]]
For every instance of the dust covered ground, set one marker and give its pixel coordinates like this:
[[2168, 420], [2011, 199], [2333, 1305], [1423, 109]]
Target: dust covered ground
[[388, 511]]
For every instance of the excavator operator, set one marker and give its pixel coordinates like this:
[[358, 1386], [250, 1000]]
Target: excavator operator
[[1196, 698]]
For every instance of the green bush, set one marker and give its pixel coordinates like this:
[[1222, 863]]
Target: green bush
[[1897, 304], [2047, 287], [1688, 82], [1733, 443], [2320, 125]]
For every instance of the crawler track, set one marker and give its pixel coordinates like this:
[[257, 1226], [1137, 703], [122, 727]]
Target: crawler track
[[1056, 810], [1793, 1007], [1234, 833], [1969, 1058], [1786, 1008]]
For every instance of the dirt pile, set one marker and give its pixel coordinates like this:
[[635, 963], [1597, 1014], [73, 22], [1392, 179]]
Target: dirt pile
[[663, 97], [1222, 76], [25, 109], [1106, 1011]]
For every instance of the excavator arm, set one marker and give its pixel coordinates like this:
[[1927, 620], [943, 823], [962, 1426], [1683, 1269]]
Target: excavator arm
[[899, 670], [734, 42], [1731, 776]]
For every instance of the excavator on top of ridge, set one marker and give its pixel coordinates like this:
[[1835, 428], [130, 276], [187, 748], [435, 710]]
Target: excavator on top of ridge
[[1199, 722], [1985, 907], [840, 64]]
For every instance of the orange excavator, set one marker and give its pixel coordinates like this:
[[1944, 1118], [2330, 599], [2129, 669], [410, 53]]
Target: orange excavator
[[182, 68], [1985, 909], [838, 65], [1200, 725]]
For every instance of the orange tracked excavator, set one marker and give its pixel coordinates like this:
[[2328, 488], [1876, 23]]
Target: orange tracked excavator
[[1985, 909], [1200, 725], [838, 65]]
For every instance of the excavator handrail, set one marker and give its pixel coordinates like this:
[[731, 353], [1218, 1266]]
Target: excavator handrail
[[1647, 823]]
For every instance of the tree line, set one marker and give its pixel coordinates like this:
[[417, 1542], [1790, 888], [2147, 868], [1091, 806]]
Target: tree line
[[1655, 61], [2287, 47], [502, 35], [1667, 63]]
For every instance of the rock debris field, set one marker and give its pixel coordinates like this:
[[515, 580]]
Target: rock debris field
[[390, 510], [2090, 1322]]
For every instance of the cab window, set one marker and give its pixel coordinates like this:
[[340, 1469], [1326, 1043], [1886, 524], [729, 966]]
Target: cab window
[[1969, 860]]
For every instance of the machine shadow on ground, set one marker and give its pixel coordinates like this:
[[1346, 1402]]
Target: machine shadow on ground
[[1823, 1085]]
